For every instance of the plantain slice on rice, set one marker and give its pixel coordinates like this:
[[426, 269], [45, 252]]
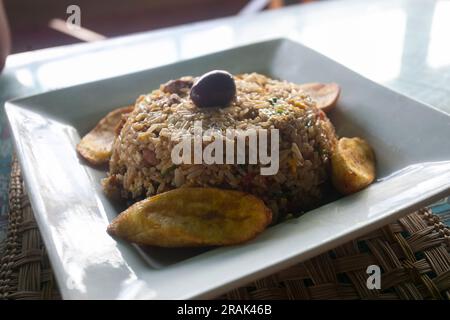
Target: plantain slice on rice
[[96, 146], [352, 165], [324, 94], [191, 217]]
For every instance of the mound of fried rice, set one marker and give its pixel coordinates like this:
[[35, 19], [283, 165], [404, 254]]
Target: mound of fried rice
[[141, 162]]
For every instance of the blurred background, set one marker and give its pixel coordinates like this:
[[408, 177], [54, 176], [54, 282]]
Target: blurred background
[[37, 24]]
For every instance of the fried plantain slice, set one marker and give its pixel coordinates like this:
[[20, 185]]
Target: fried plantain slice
[[324, 94], [352, 165], [96, 146], [188, 217]]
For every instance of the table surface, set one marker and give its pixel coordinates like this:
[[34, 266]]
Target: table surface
[[402, 44]]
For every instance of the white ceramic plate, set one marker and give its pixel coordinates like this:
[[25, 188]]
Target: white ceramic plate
[[411, 141]]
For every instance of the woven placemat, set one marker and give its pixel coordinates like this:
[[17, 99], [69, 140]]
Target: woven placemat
[[413, 254]]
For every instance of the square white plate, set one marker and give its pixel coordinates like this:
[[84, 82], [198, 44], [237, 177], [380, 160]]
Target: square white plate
[[411, 141]]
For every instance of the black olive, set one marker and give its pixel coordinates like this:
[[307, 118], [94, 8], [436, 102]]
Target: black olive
[[213, 89]]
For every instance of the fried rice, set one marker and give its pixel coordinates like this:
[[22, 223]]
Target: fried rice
[[141, 163]]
